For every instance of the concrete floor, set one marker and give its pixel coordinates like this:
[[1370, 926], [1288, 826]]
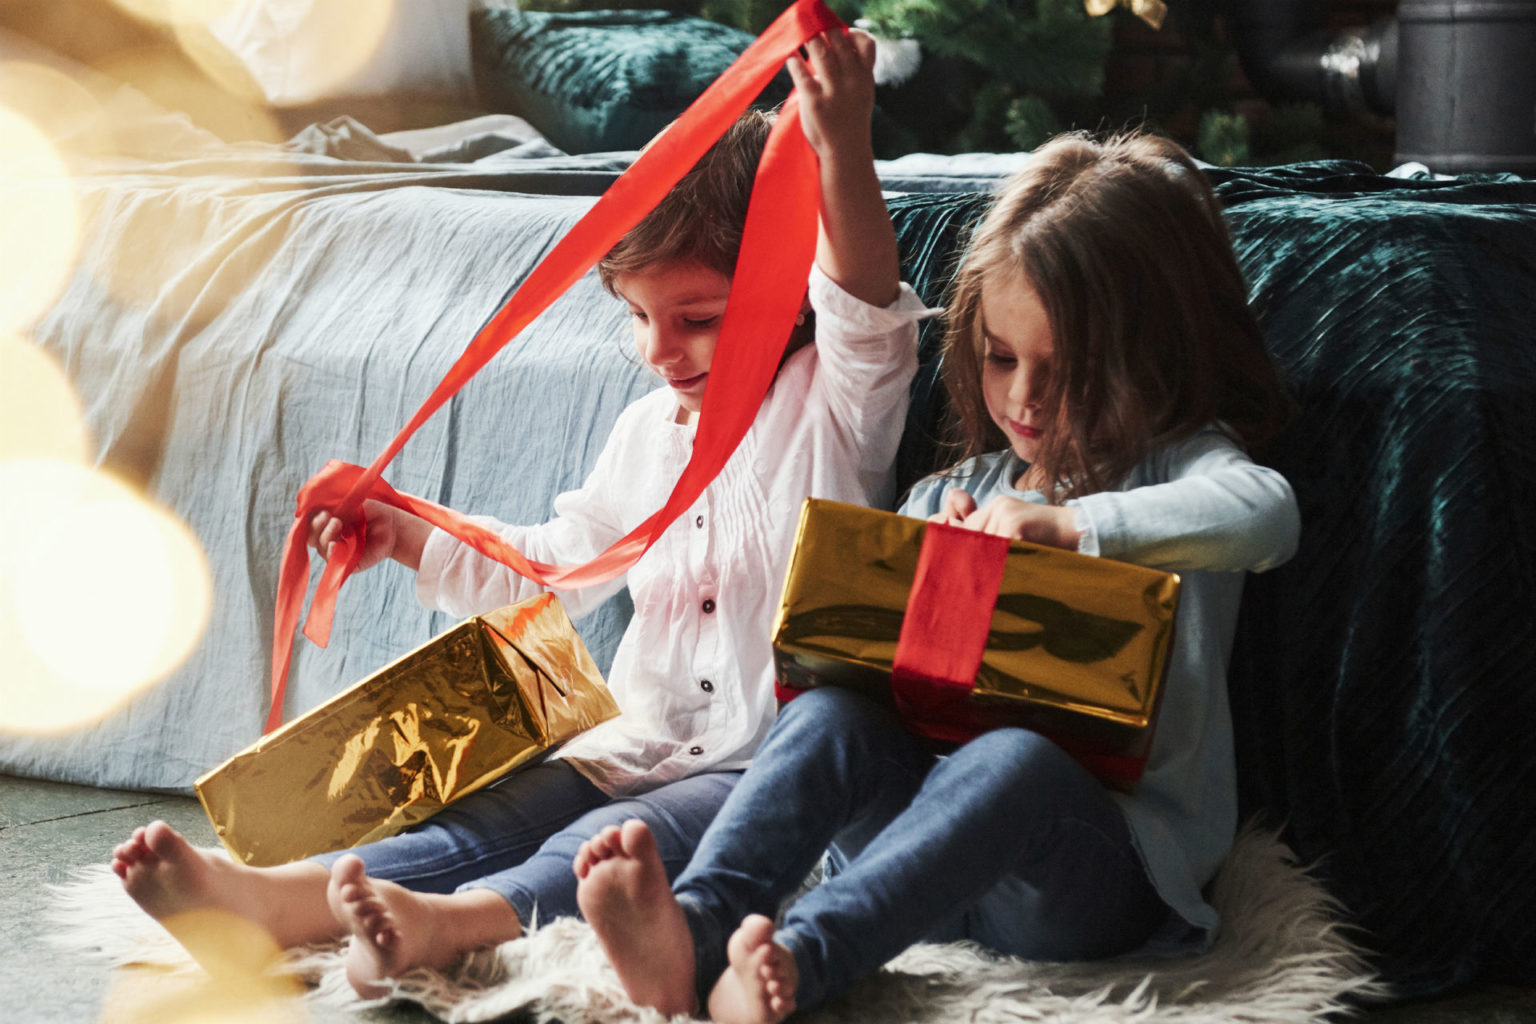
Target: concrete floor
[[46, 830], [49, 828]]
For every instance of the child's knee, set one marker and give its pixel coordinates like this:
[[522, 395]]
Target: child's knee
[[1021, 752], [836, 713]]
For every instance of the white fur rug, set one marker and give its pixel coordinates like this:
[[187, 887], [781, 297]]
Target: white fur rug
[[1282, 957]]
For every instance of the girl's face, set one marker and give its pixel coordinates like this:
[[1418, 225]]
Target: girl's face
[[1016, 360], [675, 309]]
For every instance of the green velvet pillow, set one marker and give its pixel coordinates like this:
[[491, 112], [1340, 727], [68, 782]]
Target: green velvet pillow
[[595, 81]]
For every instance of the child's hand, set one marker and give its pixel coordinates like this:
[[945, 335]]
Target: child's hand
[[836, 82], [1052, 525], [957, 505], [379, 544]]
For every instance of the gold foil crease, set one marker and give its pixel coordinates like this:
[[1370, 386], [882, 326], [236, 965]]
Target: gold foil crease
[[454, 715], [1077, 645]]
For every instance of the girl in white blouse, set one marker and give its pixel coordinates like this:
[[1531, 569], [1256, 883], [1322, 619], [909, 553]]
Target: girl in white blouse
[[693, 674]]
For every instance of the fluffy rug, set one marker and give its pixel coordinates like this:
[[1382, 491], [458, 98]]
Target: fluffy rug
[[1283, 956]]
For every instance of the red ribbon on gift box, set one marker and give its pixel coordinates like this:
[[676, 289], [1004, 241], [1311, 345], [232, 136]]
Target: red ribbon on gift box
[[778, 244], [944, 630], [944, 637]]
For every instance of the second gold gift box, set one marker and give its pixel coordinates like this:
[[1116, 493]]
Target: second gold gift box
[[452, 716]]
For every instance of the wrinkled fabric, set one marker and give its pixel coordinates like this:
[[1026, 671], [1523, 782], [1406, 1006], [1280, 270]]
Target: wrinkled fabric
[[1381, 682], [244, 314]]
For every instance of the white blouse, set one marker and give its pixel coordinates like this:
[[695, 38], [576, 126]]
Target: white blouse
[[693, 673]]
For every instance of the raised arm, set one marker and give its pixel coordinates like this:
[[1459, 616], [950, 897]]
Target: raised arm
[[856, 246]]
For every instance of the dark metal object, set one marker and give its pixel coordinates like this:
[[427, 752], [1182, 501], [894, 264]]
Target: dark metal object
[[1460, 75], [1467, 85], [1351, 73]]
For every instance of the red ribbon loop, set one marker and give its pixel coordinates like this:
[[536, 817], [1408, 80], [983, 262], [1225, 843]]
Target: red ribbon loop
[[778, 244]]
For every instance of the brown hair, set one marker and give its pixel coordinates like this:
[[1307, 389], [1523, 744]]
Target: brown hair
[[1124, 242], [701, 219]]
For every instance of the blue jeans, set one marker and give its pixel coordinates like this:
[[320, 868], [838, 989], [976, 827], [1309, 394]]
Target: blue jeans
[[1008, 842], [518, 836]]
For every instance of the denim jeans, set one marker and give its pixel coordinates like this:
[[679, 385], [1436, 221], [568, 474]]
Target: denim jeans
[[518, 836], [1008, 842]]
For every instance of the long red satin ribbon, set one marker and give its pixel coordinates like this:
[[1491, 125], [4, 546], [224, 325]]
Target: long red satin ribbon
[[778, 244]]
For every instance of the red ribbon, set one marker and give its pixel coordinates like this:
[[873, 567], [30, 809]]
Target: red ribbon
[[943, 639], [944, 631], [778, 244]]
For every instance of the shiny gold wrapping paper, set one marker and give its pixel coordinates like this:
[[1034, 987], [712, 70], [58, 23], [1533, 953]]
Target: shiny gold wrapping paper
[[1077, 646], [446, 719]]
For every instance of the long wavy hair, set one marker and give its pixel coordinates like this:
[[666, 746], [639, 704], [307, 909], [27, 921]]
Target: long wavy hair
[[1124, 242]]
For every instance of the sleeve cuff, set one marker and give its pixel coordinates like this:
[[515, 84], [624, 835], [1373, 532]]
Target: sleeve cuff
[[1087, 529], [434, 560], [836, 308]]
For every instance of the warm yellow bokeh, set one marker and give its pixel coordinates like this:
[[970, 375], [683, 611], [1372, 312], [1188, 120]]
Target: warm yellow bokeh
[[179, 12], [215, 60], [101, 594], [323, 42], [344, 36], [328, 42], [229, 107], [64, 110], [241, 982], [39, 222], [40, 417]]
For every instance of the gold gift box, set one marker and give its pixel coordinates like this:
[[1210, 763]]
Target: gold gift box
[[1077, 646], [450, 717]]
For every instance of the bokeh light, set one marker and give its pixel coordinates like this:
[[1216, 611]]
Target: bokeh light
[[325, 44], [204, 49], [178, 12], [61, 108], [39, 222], [40, 417], [101, 594], [345, 37], [229, 106], [240, 983]]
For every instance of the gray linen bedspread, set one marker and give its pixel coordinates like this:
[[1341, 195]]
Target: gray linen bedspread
[[243, 313]]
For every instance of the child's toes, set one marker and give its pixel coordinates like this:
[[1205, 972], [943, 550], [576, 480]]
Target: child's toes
[[606, 844]]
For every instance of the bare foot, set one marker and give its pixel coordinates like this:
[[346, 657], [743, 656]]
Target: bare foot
[[625, 896], [759, 985], [395, 929], [176, 883]]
